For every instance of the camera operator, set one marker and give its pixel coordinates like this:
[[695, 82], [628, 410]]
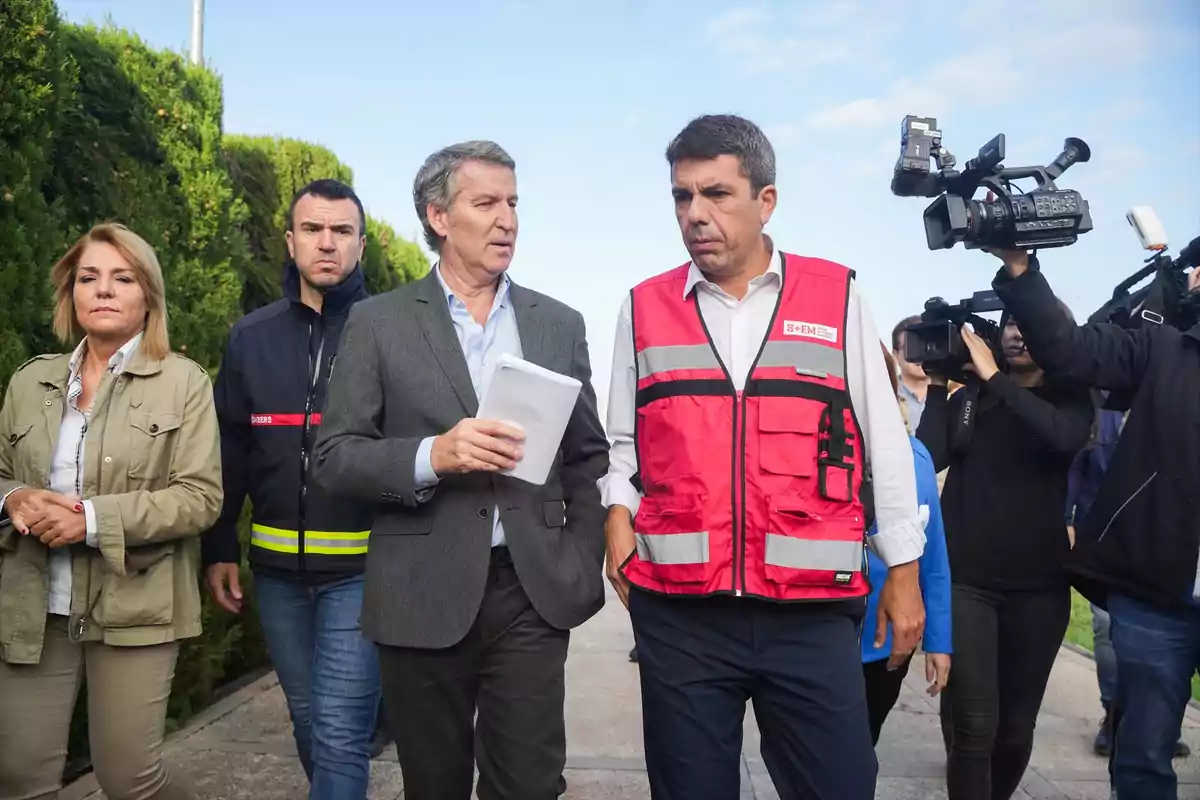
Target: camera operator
[[914, 383], [1136, 550], [1008, 440]]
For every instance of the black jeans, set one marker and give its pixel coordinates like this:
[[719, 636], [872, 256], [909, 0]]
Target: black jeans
[[883, 690], [1005, 644], [509, 668], [702, 659]]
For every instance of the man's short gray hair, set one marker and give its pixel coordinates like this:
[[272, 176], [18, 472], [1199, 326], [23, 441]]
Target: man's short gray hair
[[434, 182]]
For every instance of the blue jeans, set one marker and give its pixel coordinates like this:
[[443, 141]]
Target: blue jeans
[[1106, 658], [330, 675], [1158, 650]]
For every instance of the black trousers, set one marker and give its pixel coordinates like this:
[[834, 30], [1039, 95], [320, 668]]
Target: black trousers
[[1005, 644], [883, 690], [702, 659], [509, 668]]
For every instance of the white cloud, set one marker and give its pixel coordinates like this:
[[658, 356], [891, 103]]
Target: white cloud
[[767, 42], [1066, 44], [905, 97], [736, 20]]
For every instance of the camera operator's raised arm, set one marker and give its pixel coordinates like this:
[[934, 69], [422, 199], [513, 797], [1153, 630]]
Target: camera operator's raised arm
[[1063, 429], [933, 432], [1099, 355]]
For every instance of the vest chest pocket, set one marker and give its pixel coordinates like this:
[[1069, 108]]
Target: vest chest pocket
[[150, 443], [672, 540], [787, 435]]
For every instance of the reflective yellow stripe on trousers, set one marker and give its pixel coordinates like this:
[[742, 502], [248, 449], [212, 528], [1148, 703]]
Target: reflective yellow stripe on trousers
[[325, 543]]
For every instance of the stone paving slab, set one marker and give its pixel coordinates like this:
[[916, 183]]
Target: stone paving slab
[[242, 747]]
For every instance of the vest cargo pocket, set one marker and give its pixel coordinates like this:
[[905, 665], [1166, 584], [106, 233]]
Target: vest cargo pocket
[[804, 548], [145, 596], [672, 541], [787, 435]]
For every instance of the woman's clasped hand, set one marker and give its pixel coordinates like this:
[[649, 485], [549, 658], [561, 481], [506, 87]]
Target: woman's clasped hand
[[56, 519]]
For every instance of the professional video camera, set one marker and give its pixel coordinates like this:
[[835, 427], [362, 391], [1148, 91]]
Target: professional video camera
[[1046, 217], [1165, 300], [936, 341]]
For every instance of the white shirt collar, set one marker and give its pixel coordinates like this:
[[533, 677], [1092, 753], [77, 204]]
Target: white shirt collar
[[117, 363], [695, 276], [501, 288]]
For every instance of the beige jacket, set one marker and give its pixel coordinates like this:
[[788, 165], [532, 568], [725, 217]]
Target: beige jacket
[[153, 473]]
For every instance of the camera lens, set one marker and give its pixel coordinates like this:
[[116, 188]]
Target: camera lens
[[985, 219]]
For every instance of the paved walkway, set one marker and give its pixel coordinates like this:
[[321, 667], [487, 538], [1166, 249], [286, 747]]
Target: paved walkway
[[241, 748]]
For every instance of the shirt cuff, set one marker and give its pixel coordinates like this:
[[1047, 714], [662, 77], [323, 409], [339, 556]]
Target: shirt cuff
[[423, 474], [899, 544], [4, 500], [618, 491], [89, 513]]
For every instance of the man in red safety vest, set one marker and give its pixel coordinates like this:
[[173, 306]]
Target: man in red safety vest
[[749, 401]]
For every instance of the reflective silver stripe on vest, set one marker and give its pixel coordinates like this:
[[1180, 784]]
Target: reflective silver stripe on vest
[[653, 360], [673, 548], [267, 539], [806, 357], [824, 554]]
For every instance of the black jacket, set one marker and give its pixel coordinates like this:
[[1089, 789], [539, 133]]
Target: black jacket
[[1142, 535], [269, 404]]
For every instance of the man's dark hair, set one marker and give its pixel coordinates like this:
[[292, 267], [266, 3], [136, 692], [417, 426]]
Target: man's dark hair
[[328, 189], [715, 135], [899, 329]]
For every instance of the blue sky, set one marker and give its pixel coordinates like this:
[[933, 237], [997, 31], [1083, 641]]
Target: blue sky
[[586, 96]]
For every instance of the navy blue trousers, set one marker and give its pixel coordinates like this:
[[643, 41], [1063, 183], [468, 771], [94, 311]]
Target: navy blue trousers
[[702, 659]]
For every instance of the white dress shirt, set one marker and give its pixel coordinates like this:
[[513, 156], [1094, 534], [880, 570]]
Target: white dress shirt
[[66, 468], [482, 346], [738, 328]]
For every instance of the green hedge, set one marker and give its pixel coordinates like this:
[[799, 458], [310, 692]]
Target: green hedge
[[33, 67], [95, 126]]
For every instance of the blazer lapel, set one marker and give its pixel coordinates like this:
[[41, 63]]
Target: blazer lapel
[[536, 345], [434, 316]]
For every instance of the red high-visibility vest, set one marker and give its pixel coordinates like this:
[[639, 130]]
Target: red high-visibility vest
[[756, 492]]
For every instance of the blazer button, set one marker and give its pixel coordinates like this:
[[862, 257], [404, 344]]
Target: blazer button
[[483, 513], [154, 428]]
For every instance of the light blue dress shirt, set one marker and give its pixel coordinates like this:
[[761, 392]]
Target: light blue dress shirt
[[482, 346]]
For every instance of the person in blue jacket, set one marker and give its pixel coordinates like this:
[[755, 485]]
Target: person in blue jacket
[[883, 681]]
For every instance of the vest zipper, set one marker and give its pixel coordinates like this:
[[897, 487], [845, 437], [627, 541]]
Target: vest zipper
[[739, 449], [314, 370]]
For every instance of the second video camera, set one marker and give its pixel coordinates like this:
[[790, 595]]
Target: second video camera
[[1045, 217], [936, 341]]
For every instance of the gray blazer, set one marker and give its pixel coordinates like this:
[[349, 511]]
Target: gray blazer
[[401, 376]]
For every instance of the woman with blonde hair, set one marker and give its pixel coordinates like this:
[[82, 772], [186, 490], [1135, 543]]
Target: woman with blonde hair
[[109, 470]]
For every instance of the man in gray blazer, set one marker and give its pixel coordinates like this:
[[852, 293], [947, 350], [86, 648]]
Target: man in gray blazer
[[473, 578]]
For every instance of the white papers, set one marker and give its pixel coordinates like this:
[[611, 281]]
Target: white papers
[[536, 400]]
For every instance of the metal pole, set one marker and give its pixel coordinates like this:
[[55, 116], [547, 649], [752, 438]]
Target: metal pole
[[197, 31]]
